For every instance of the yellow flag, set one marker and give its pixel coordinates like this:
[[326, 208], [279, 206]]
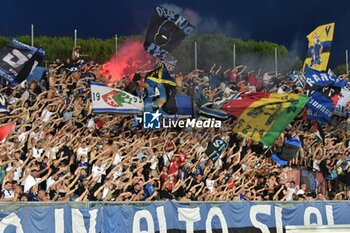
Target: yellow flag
[[320, 42]]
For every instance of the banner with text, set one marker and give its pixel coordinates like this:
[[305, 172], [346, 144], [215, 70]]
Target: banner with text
[[107, 99], [324, 90], [171, 217], [18, 60], [165, 32]]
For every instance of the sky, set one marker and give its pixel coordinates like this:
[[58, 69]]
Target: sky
[[285, 22]]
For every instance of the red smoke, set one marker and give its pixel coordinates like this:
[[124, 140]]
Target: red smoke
[[130, 58]]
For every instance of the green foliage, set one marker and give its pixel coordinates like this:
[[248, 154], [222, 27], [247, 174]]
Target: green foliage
[[212, 48], [218, 49], [339, 70], [298, 64]]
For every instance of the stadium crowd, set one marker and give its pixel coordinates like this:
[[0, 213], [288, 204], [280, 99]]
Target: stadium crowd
[[59, 150]]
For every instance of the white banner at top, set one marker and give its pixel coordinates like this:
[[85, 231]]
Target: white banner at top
[[106, 99]]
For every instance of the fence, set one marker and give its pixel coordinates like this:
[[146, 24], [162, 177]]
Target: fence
[[12, 206]]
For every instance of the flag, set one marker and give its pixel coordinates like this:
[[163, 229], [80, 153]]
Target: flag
[[210, 110], [106, 99], [324, 90], [215, 148], [165, 32], [298, 79], [341, 109], [18, 60], [308, 177], [290, 149], [264, 116], [320, 42], [5, 130], [317, 130], [278, 160], [162, 76], [344, 99], [37, 74], [161, 90], [184, 105]]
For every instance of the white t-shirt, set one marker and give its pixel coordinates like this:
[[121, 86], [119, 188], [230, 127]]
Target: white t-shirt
[[103, 167], [33, 135], [200, 149], [23, 137], [97, 171], [117, 159], [91, 124], [29, 182], [315, 165], [105, 192], [82, 150], [141, 153], [49, 183], [210, 185], [53, 151], [117, 174], [300, 192], [290, 192], [46, 114], [17, 174], [167, 157], [8, 193], [154, 162], [37, 152]]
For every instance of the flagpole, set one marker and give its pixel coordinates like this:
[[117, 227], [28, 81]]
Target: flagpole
[[32, 35], [347, 62], [234, 56], [276, 65], [116, 43], [75, 37], [195, 55]]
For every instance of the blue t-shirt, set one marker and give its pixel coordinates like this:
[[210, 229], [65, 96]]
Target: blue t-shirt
[[149, 190]]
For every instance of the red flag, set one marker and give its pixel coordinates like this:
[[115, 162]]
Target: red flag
[[5, 131], [237, 107]]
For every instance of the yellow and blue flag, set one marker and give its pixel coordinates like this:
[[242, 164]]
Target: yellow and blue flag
[[320, 42], [161, 89], [161, 76]]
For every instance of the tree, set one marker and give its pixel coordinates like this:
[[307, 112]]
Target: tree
[[212, 48]]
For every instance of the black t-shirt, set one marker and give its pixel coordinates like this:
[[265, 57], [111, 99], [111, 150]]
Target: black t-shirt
[[181, 192], [323, 167], [67, 152], [258, 148]]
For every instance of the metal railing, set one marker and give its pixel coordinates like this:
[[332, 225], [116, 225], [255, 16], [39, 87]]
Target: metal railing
[[13, 206]]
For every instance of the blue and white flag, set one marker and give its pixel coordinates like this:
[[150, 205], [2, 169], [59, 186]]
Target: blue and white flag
[[344, 100], [324, 90], [107, 99], [298, 79], [166, 217], [18, 60], [316, 79], [210, 110]]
